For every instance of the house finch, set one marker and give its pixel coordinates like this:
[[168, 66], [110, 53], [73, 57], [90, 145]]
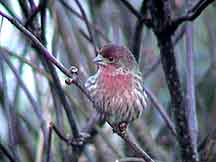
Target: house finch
[[117, 87]]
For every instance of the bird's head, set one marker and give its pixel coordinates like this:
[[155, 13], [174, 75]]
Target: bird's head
[[115, 57]]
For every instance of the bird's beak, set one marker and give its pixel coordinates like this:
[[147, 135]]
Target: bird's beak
[[99, 60]]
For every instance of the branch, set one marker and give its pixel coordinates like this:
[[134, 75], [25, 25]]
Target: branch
[[178, 36], [96, 28], [75, 142], [162, 111], [37, 43], [131, 159], [190, 94], [27, 62], [50, 58], [206, 147], [191, 14], [136, 148], [87, 24], [161, 14], [7, 154], [49, 143], [34, 13], [132, 9], [34, 104], [138, 33]]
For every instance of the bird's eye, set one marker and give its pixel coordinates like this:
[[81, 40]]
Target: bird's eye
[[111, 59]]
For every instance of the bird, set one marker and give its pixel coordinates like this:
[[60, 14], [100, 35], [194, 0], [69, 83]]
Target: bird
[[117, 86]]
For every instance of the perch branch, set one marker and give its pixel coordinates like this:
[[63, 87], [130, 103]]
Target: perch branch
[[140, 153]]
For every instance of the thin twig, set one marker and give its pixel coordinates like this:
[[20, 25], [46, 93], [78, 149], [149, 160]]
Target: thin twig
[[27, 62], [60, 135], [138, 33], [190, 96], [162, 111], [6, 153], [204, 143], [38, 44], [24, 7], [9, 9], [35, 106], [87, 24], [178, 36], [191, 14], [132, 9], [34, 13], [6, 106], [49, 144], [75, 142], [206, 147], [95, 27], [131, 159]]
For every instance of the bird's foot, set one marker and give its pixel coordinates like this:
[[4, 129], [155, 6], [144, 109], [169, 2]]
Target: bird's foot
[[120, 128], [80, 140]]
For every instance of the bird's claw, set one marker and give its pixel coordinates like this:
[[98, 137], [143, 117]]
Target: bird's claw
[[120, 128]]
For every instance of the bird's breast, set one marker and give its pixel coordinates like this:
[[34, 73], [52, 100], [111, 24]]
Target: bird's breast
[[116, 82]]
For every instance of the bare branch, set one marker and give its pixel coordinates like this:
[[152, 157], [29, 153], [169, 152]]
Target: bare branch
[[34, 13], [131, 159], [132, 9], [178, 36], [95, 27], [27, 62], [161, 15], [28, 94], [75, 142], [141, 18], [162, 111], [7, 154], [136, 148], [87, 24], [38, 44], [190, 96], [49, 143], [191, 14]]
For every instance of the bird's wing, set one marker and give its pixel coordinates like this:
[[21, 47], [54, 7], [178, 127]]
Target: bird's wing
[[90, 82]]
